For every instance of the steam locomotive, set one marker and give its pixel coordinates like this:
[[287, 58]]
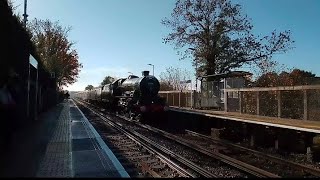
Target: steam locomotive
[[135, 97]]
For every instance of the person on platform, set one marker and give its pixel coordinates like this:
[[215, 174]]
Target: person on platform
[[67, 95], [7, 110]]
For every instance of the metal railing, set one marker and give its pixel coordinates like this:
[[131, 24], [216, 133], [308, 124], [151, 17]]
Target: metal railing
[[294, 102], [178, 98]]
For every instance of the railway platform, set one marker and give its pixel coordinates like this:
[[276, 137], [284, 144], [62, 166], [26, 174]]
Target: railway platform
[[61, 143], [287, 135], [293, 124]]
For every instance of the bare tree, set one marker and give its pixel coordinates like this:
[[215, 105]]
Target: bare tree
[[268, 66], [219, 36], [174, 79]]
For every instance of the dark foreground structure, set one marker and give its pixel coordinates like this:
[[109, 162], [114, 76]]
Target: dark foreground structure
[[61, 144]]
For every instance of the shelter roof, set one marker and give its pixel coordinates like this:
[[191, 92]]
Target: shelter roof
[[226, 75]]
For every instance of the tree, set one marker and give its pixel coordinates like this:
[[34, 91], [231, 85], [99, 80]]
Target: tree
[[219, 36], [89, 87], [165, 86], [270, 79], [291, 101], [174, 79], [294, 78], [13, 8], [107, 80], [55, 50]]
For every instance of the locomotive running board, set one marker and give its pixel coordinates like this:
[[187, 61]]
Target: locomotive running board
[[123, 96]]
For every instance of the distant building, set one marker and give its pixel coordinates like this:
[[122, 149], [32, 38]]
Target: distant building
[[212, 87]]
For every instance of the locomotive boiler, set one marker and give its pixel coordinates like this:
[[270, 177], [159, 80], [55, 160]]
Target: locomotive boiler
[[140, 96], [133, 97]]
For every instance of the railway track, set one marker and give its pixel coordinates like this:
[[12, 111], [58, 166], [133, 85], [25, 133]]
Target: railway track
[[240, 165], [248, 169], [235, 155], [146, 158], [240, 152]]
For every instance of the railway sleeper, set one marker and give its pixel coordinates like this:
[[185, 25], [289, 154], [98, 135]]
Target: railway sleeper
[[167, 173], [128, 149], [130, 145], [116, 137], [141, 157], [158, 166], [146, 168], [131, 153], [123, 142], [136, 159], [120, 144], [151, 161]]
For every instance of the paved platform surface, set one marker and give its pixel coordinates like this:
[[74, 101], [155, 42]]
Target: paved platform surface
[[61, 143], [294, 124], [91, 157]]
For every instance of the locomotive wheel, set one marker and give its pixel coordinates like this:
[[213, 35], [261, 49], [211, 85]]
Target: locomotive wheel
[[127, 114], [138, 117], [131, 115]]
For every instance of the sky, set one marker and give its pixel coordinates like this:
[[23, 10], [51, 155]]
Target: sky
[[114, 37]]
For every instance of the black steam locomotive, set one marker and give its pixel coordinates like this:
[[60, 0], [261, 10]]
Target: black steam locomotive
[[134, 97]]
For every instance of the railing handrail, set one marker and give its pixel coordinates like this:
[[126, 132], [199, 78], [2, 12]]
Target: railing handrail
[[279, 88], [184, 91]]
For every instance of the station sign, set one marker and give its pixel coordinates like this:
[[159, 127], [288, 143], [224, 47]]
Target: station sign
[[33, 61]]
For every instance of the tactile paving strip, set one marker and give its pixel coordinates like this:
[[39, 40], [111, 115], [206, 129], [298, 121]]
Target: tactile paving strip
[[57, 161]]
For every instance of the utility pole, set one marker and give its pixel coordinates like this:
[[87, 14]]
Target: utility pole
[[196, 75], [25, 14], [25, 26]]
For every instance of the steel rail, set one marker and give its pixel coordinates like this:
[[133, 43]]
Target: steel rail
[[298, 166], [228, 160], [156, 148]]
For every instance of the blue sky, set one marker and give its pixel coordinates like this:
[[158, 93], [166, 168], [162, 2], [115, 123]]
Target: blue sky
[[114, 37]]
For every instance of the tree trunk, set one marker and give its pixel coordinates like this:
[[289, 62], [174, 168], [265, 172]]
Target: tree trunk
[[211, 66]]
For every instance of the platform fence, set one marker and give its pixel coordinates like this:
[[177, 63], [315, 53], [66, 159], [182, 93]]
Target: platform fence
[[292, 102], [179, 98]]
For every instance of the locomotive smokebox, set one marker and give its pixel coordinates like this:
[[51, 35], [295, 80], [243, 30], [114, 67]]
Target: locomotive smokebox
[[145, 73]]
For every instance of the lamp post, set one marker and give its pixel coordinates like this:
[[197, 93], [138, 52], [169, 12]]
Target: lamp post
[[152, 68], [25, 14], [196, 91], [196, 75], [196, 63]]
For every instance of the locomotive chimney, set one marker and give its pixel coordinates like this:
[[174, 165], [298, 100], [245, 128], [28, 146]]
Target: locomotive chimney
[[145, 73]]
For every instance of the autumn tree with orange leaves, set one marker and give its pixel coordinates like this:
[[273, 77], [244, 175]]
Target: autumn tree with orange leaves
[[291, 101], [294, 78], [56, 50]]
